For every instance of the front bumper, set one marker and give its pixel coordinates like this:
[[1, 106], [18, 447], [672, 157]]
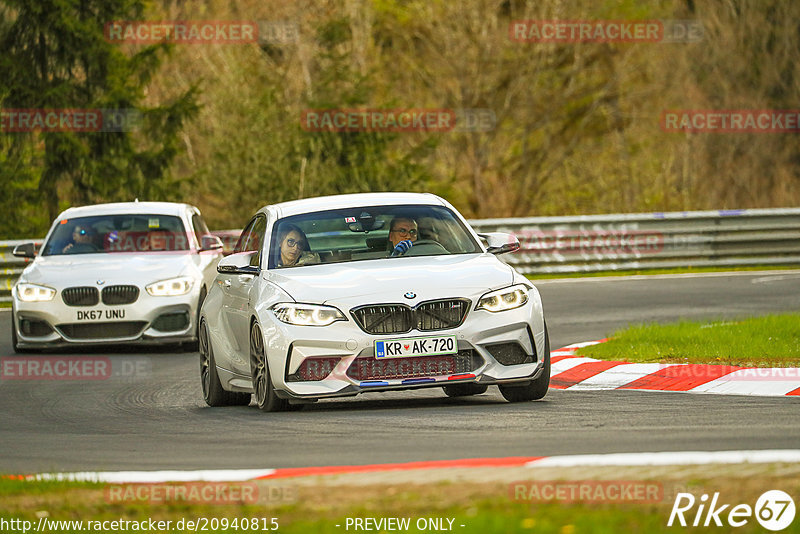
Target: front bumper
[[483, 340], [149, 320]]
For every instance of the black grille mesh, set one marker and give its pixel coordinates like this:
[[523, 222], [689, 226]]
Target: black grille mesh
[[369, 368], [80, 296], [120, 294], [116, 330], [440, 314], [384, 319], [400, 318]]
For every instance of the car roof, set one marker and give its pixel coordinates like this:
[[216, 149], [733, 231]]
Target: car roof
[[126, 208], [355, 200]]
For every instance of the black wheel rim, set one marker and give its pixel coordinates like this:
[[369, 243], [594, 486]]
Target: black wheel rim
[[257, 365], [205, 360]]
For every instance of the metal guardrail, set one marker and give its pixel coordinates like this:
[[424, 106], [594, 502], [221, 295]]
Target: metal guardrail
[[587, 243], [638, 241]]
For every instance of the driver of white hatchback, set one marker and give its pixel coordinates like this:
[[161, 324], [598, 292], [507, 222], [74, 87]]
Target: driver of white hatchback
[[82, 238]]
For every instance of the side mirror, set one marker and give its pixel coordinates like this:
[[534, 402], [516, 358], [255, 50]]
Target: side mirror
[[25, 250], [500, 243], [210, 242], [239, 263]]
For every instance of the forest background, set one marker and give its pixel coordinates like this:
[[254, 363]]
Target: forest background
[[577, 125]]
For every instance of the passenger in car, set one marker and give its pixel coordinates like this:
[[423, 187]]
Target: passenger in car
[[158, 239], [294, 247], [428, 229]]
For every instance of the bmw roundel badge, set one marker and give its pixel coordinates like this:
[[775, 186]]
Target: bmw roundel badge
[[410, 295]]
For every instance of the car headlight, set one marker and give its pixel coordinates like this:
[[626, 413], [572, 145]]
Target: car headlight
[[307, 314], [504, 299], [172, 287], [35, 293]]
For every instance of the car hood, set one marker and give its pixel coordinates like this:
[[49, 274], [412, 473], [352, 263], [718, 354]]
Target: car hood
[[122, 268], [388, 280]]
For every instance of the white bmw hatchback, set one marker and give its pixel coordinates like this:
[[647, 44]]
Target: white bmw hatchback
[[115, 273], [335, 296]]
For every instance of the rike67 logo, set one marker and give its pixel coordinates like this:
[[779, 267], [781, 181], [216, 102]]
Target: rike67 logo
[[774, 510]]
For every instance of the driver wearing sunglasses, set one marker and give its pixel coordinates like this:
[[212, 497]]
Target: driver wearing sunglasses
[[294, 247]]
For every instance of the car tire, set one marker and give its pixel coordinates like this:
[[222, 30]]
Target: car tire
[[213, 393], [537, 388], [264, 392], [464, 390]]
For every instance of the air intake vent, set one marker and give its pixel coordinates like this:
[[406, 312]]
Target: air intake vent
[[369, 368], [117, 330], [509, 353], [171, 322]]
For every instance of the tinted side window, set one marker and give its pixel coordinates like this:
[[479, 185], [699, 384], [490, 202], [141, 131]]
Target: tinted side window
[[200, 228], [243, 237], [255, 239]]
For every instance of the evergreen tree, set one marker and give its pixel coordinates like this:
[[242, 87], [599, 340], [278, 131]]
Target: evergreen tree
[[55, 56]]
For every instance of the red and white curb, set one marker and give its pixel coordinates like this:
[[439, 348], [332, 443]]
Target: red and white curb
[[572, 372], [581, 460]]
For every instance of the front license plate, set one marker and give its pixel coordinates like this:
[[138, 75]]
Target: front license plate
[[100, 315], [415, 346]]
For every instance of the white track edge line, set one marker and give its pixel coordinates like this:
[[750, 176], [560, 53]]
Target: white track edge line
[[669, 458]]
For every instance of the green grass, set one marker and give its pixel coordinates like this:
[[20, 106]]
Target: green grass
[[769, 341], [482, 508], [681, 270]]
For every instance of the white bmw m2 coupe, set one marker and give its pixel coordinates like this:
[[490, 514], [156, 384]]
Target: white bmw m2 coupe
[[340, 295]]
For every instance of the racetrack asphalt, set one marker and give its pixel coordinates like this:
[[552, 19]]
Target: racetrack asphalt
[[156, 419]]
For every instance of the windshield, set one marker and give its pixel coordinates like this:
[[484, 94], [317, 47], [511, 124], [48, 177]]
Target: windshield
[[355, 234], [117, 233]]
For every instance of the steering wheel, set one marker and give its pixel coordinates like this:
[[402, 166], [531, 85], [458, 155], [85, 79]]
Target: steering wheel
[[82, 248], [425, 247]]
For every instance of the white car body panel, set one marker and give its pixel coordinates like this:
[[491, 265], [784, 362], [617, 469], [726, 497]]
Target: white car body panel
[[235, 300]]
